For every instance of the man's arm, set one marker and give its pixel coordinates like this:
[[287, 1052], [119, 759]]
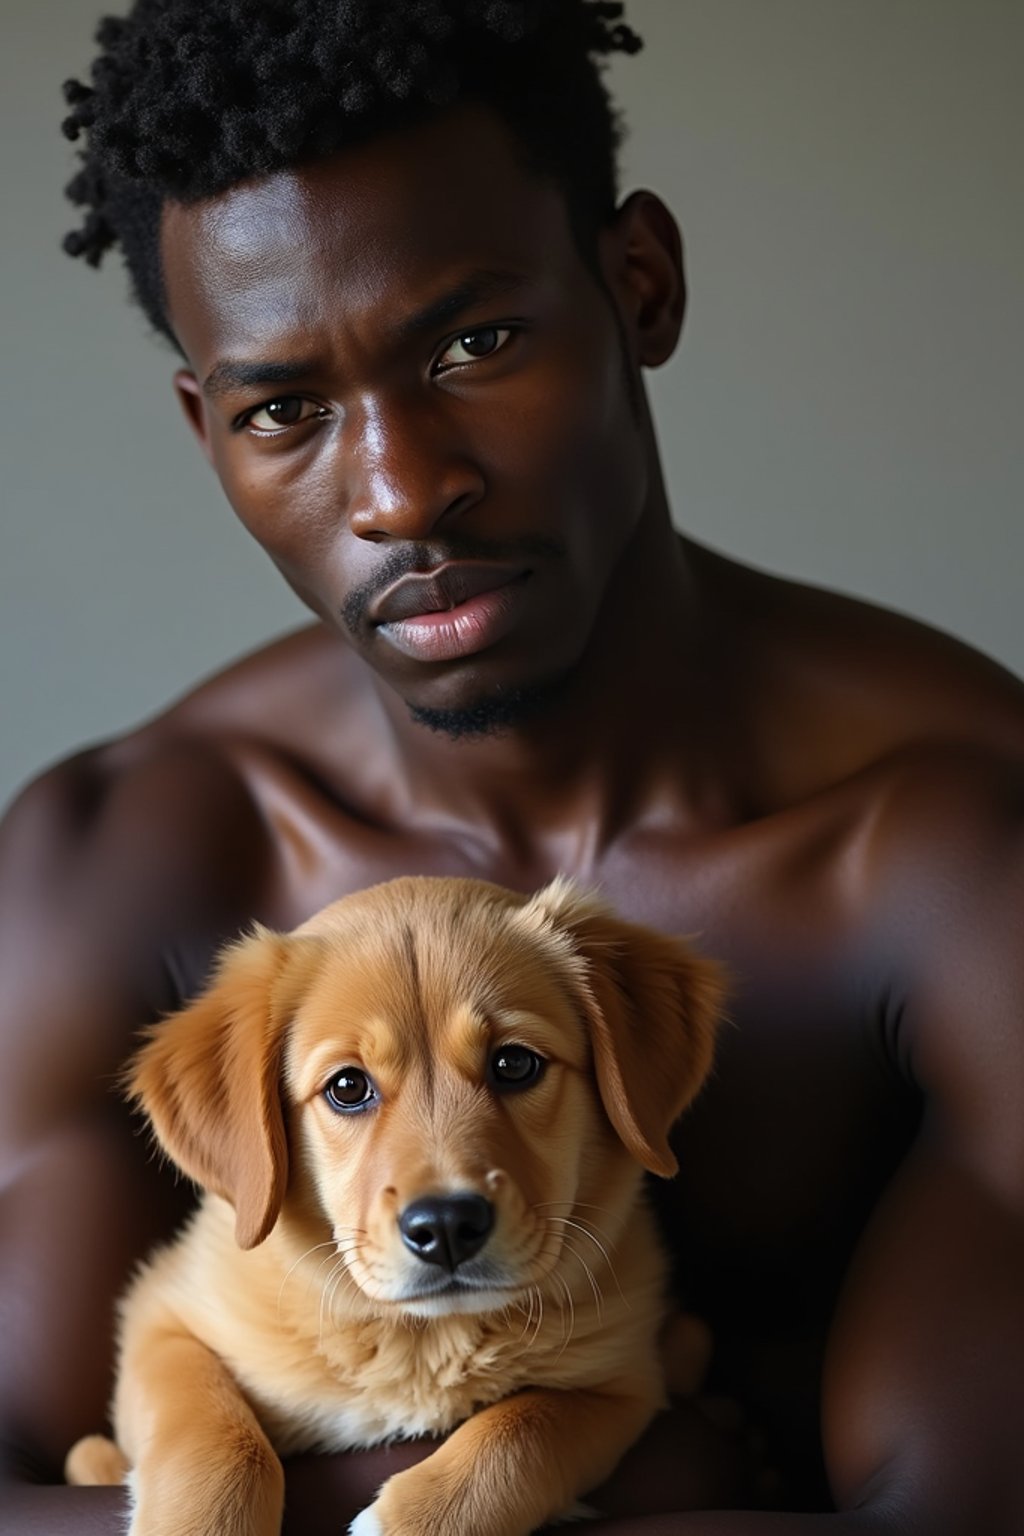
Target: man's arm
[[97, 870], [925, 1385], [923, 1422]]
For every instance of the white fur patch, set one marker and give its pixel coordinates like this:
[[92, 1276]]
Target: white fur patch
[[131, 1483], [366, 1524]]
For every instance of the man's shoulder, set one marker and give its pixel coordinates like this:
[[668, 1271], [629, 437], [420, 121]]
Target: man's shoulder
[[941, 802], [928, 872], [837, 684], [128, 838], [162, 814], [271, 694], [920, 681], [928, 830], [180, 780]]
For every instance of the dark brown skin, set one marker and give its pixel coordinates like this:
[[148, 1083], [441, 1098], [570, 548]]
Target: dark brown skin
[[830, 797]]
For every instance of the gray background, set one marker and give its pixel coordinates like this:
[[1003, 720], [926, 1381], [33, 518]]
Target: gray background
[[846, 407]]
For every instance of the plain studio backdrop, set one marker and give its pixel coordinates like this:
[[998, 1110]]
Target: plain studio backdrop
[[847, 405]]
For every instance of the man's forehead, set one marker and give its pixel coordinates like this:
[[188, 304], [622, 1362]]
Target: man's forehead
[[386, 222], [246, 221]]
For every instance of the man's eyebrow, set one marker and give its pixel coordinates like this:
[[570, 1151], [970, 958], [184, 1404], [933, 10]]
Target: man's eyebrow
[[228, 375], [475, 288]]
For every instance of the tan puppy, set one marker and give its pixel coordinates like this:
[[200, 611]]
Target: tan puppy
[[422, 1120]]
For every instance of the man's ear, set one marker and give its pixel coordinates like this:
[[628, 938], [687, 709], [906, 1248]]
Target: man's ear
[[190, 398], [651, 1006], [208, 1078], [641, 256]]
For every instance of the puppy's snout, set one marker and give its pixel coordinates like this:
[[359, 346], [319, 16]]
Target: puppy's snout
[[446, 1229]]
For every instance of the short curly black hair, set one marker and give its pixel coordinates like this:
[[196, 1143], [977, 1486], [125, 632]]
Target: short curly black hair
[[190, 97]]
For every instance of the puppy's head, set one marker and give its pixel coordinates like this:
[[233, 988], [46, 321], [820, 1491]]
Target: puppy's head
[[442, 1071]]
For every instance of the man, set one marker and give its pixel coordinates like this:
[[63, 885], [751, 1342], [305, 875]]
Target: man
[[414, 324]]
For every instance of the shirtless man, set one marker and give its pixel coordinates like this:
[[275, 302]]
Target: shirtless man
[[414, 342]]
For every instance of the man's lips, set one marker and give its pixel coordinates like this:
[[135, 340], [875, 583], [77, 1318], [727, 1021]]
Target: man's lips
[[440, 590], [454, 612]]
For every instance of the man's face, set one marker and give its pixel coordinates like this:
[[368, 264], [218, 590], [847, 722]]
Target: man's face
[[418, 401]]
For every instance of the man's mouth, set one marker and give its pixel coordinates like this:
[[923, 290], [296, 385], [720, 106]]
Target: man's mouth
[[454, 611], [448, 587]]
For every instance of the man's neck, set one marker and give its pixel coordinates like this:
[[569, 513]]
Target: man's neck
[[628, 738]]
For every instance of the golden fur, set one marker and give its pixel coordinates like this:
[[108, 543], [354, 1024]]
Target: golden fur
[[289, 1315]]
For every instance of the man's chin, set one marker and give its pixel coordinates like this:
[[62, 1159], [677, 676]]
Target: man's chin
[[496, 714]]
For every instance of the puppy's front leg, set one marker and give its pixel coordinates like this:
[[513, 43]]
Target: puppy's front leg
[[513, 1466], [202, 1464]]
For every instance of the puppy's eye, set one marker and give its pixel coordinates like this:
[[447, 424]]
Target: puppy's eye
[[350, 1089], [514, 1066]]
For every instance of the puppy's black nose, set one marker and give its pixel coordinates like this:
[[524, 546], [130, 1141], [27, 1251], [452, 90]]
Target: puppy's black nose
[[446, 1229]]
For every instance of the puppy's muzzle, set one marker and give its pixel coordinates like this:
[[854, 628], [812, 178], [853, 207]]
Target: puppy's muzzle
[[446, 1229]]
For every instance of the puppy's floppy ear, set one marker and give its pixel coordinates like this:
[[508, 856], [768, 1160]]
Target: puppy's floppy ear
[[652, 1007], [208, 1079]]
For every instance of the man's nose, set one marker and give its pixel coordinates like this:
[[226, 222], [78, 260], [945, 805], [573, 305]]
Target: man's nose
[[414, 474]]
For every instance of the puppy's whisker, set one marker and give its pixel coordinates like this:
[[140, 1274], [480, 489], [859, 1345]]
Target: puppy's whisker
[[551, 1243], [540, 1315], [591, 1228], [354, 1250], [315, 1277], [343, 1277], [339, 1265], [339, 1279], [347, 1237], [336, 1250], [326, 1296], [294, 1267], [535, 1323], [579, 1205], [339, 1262], [595, 1288], [576, 1206], [566, 1334], [567, 1221], [585, 1231], [529, 1314]]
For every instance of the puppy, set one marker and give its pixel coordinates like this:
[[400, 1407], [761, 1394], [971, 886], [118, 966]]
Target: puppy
[[422, 1121]]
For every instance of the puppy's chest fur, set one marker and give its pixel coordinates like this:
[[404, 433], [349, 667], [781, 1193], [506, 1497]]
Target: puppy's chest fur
[[323, 1373], [373, 1381]]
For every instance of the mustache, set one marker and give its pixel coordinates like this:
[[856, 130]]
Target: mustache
[[421, 559]]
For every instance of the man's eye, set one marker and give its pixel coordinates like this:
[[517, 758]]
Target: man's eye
[[286, 412], [473, 345]]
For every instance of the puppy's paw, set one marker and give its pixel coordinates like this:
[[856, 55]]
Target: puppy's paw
[[366, 1523], [95, 1461]]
